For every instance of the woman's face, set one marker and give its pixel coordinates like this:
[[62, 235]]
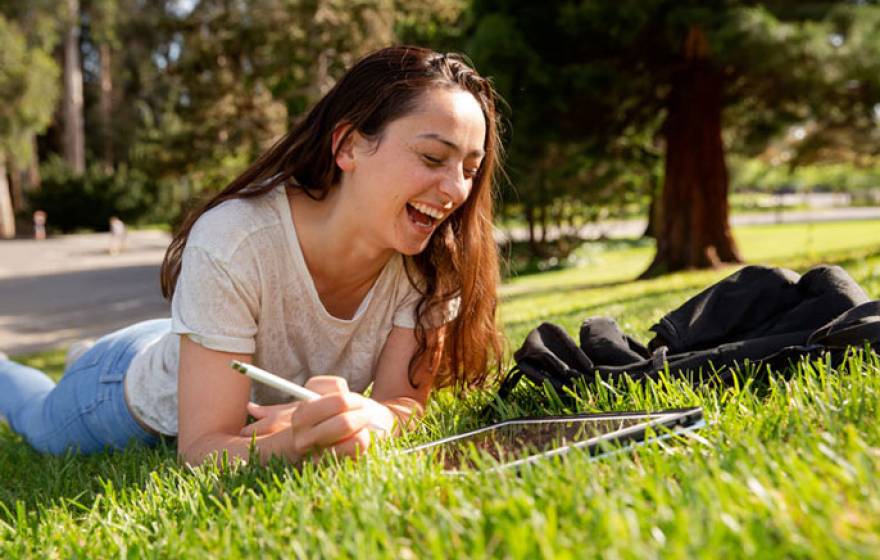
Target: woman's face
[[421, 171]]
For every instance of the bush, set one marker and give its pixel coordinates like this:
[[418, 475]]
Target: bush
[[77, 202]]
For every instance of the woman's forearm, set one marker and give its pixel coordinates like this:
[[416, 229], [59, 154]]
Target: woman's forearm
[[277, 444], [405, 410]]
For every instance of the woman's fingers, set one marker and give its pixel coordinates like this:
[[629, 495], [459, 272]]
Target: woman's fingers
[[270, 418], [335, 399], [362, 425], [311, 413], [339, 421], [263, 410], [326, 384], [256, 410], [259, 428], [382, 418], [354, 446], [333, 430]]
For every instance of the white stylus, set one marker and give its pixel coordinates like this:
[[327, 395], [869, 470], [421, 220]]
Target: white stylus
[[288, 387]]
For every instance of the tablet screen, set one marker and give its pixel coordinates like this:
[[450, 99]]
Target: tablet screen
[[518, 439]]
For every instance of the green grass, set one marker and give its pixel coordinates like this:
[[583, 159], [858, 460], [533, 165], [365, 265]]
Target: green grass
[[788, 467]]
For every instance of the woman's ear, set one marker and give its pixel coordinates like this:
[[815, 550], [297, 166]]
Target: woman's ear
[[343, 150]]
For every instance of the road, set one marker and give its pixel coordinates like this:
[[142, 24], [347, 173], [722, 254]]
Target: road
[[64, 288]]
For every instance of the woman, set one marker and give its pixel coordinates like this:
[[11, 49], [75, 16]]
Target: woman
[[357, 250]]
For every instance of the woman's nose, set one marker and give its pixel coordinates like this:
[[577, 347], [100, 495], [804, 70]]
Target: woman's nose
[[456, 187]]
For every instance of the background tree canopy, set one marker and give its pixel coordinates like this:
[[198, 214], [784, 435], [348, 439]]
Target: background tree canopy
[[629, 82], [610, 104]]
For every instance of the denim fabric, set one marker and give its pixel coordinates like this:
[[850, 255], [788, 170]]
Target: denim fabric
[[86, 410]]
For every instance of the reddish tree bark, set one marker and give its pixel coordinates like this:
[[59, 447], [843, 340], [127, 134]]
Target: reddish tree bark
[[694, 230]]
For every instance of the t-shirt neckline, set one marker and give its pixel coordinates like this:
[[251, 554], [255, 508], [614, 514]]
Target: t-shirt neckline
[[296, 250]]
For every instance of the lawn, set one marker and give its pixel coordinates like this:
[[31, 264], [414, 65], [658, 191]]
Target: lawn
[[788, 466]]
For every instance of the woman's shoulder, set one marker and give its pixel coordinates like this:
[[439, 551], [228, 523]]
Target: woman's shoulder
[[406, 274], [224, 228]]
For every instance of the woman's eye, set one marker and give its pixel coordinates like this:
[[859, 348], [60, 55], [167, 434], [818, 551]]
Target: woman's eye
[[432, 160], [470, 173]]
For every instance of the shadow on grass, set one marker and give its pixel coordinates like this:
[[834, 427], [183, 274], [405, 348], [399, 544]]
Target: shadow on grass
[[38, 482]]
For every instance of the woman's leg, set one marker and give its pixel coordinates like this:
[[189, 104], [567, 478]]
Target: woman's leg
[[19, 385], [86, 410]]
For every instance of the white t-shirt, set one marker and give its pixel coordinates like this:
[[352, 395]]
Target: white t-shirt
[[244, 287]]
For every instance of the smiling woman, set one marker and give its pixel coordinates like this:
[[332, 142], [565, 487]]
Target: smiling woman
[[406, 183], [359, 249]]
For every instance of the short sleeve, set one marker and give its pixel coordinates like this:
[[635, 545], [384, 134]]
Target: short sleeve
[[213, 304], [405, 314]]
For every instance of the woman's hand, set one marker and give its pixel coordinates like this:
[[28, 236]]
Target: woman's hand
[[269, 419], [339, 421]]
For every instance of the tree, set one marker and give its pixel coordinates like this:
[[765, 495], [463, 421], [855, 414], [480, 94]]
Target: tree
[[694, 231], [103, 18], [38, 22], [72, 102], [556, 165], [692, 73], [244, 71], [28, 87]]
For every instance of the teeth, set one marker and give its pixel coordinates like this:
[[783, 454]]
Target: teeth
[[436, 214]]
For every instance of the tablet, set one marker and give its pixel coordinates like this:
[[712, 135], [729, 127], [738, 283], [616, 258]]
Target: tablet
[[514, 443]]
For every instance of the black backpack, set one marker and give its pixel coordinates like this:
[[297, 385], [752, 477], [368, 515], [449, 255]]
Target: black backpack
[[766, 316]]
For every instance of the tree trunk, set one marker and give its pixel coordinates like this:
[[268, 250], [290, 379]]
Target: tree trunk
[[74, 131], [654, 214], [7, 216], [530, 220], [694, 231], [34, 180], [15, 190], [542, 221], [106, 106]]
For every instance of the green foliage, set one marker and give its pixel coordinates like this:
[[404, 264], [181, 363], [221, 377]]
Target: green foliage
[[76, 202], [440, 25], [209, 89], [590, 82], [28, 87], [757, 175], [202, 88]]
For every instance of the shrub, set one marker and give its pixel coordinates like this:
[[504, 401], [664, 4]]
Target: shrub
[[76, 202]]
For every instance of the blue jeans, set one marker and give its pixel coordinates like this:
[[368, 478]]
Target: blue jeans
[[86, 410]]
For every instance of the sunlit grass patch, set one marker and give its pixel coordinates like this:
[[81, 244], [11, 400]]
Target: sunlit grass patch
[[786, 468]]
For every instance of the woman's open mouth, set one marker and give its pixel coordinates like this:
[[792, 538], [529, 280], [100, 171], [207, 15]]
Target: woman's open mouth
[[422, 221]]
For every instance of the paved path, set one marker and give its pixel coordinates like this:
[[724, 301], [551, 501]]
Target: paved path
[[66, 288], [634, 228]]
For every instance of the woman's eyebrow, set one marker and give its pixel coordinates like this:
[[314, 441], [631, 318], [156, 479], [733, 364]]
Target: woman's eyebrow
[[453, 145]]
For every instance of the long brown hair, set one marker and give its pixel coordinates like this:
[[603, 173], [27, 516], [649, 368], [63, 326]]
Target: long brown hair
[[461, 259]]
